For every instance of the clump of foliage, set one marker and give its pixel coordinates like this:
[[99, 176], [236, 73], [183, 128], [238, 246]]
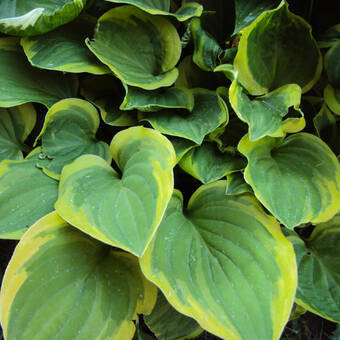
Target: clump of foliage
[[118, 121]]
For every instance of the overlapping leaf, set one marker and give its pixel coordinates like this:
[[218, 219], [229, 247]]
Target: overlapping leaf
[[62, 284], [168, 324], [225, 263], [25, 18], [318, 261], [162, 7], [151, 101], [21, 83], [275, 50], [64, 49], [16, 124], [123, 211], [26, 195], [236, 184], [264, 114], [106, 92], [296, 179], [69, 131], [208, 113], [141, 49], [207, 163]]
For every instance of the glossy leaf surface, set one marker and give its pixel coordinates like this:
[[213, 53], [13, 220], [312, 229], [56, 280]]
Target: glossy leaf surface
[[207, 163], [64, 49], [69, 131], [62, 284], [208, 113], [225, 263], [123, 211], [141, 50], [296, 179], [25, 18], [275, 50], [22, 83], [26, 195], [319, 270]]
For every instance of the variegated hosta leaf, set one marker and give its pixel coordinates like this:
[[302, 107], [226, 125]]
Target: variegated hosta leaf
[[332, 65], [69, 131], [332, 98], [151, 101], [330, 38], [26, 195], [168, 324], [21, 83], [162, 7], [141, 49], [207, 163], [236, 184], [264, 114], [247, 11], [275, 50], [181, 146], [62, 284], [64, 49], [123, 211], [25, 18], [297, 179], [206, 50], [209, 112], [16, 124], [224, 262], [106, 93], [318, 260]]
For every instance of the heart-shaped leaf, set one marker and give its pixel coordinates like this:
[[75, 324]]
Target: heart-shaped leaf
[[106, 93], [277, 49], [26, 195], [208, 164], [141, 49], [296, 179], [62, 284], [168, 324], [124, 212], [264, 114], [209, 112], [69, 131], [318, 262], [224, 262], [16, 124], [21, 83], [162, 7], [25, 18], [64, 49]]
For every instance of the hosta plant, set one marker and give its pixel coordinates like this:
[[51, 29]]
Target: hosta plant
[[168, 168]]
